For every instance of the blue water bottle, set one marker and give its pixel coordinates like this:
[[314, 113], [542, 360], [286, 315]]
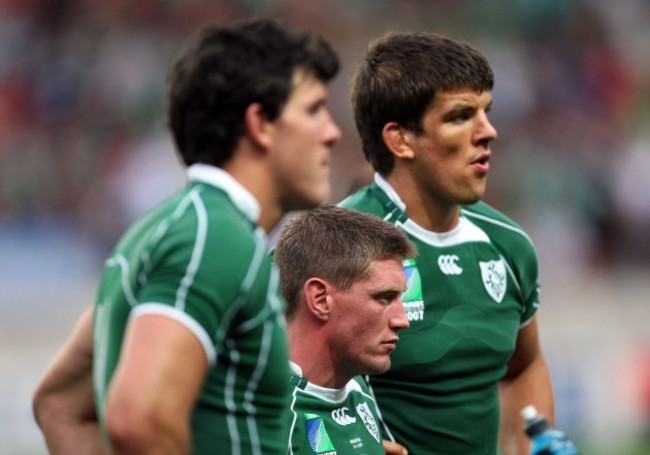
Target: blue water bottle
[[545, 439]]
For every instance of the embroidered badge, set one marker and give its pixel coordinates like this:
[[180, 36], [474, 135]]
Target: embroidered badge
[[368, 420], [494, 278]]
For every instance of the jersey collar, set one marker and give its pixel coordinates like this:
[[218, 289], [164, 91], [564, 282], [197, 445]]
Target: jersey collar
[[238, 194], [390, 199], [324, 393], [465, 231], [390, 192]]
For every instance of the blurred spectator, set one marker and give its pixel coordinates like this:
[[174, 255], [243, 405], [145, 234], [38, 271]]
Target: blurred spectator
[[81, 108]]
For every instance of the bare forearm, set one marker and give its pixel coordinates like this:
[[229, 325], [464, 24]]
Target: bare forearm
[[531, 386], [68, 427], [63, 402], [72, 439]]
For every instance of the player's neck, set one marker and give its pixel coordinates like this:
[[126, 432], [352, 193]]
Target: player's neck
[[430, 213], [251, 171], [316, 361]]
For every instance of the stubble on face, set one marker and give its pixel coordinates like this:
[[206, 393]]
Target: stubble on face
[[452, 153], [305, 133], [370, 315]]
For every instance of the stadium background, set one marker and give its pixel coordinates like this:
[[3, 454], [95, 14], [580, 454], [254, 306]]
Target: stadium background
[[83, 151]]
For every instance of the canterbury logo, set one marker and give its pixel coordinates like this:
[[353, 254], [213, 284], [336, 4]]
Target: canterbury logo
[[448, 266], [341, 416]]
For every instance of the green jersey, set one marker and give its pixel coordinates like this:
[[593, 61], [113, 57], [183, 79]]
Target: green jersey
[[200, 259], [469, 292], [333, 421]]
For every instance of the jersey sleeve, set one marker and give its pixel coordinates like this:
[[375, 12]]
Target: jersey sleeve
[[530, 306], [200, 267], [520, 253]]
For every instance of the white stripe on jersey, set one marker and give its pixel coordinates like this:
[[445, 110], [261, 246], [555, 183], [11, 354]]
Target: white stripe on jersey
[[295, 417], [123, 264], [497, 222], [229, 398], [197, 251], [249, 394]]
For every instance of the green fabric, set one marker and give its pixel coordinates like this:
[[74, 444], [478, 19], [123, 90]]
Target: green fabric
[[199, 260], [469, 292], [334, 421]]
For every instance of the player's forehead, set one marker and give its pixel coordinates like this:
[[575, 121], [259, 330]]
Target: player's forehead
[[462, 95], [448, 101], [384, 274]]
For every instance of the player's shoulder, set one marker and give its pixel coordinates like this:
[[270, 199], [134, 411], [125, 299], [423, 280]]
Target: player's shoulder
[[494, 221], [219, 214], [363, 200], [361, 196], [359, 384], [204, 217], [508, 236]]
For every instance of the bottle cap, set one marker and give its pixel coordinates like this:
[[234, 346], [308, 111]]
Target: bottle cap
[[529, 412], [535, 423]]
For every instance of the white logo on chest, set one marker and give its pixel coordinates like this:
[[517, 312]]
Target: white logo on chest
[[494, 278], [448, 266], [341, 416]]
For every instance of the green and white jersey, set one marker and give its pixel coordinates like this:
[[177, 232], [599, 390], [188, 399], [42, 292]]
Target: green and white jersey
[[200, 259], [333, 421], [469, 292]]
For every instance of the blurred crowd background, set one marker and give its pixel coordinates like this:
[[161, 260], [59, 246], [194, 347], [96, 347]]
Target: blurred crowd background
[[84, 150]]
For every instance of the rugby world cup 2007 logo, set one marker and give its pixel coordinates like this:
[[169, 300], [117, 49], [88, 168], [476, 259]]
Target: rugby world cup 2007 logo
[[317, 436], [412, 297]]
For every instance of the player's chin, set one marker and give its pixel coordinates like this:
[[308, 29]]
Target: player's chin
[[472, 197], [310, 198], [478, 189], [321, 190], [379, 366]]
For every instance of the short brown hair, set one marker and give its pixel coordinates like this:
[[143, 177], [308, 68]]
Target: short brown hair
[[335, 244], [399, 80]]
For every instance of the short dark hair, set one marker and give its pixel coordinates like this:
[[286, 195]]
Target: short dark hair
[[399, 80], [224, 69], [335, 244]]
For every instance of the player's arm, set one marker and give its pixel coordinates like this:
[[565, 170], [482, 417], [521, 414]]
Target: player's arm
[[159, 376], [527, 381], [63, 402]]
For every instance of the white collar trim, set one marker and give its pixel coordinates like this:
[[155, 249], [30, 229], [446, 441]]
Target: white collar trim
[[325, 393], [390, 191], [465, 231], [240, 196]]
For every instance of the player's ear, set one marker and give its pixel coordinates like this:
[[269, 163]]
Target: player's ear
[[398, 140], [257, 125], [317, 298]]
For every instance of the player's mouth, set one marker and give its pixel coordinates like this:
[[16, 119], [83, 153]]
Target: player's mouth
[[391, 344], [482, 163]]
